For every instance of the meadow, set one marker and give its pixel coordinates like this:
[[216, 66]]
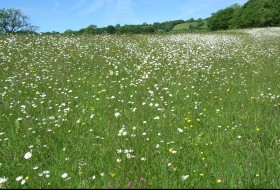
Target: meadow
[[141, 111], [189, 27]]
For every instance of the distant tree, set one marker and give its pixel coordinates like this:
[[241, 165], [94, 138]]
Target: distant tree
[[254, 13], [220, 19], [13, 20], [148, 29], [190, 20], [69, 31], [260, 13], [92, 26], [192, 27], [235, 21], [88, 30], [50, 33], [200, 22], [81, 31], [26, 32], [110, 29]]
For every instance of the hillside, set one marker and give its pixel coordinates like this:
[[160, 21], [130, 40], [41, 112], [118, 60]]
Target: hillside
[[190, 27], [254, 13], [184, 111]]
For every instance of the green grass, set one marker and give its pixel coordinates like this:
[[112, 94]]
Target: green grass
[[141, 111], [186, 27]]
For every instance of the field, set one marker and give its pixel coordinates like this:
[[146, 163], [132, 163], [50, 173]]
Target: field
[[189, 27], [141, 111]]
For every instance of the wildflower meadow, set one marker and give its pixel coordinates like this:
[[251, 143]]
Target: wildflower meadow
[[141, 111]]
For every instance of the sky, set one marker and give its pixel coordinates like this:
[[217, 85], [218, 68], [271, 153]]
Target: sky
[[60, 15]]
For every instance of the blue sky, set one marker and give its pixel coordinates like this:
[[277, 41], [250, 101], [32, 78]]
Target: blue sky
[[60, 15]]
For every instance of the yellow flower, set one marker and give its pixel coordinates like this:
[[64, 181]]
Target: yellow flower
[[171, 149], [201, 175], [219, 181], [27, 178], [113, 175]]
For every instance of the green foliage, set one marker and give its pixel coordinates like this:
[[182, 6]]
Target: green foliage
[[50, 33], [254, 13], [144, 28], [110, 29], [69, 31], [222, 18], [260, 13], [13, 20]]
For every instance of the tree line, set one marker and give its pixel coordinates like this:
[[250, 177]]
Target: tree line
[[254, 13], [156, 27]]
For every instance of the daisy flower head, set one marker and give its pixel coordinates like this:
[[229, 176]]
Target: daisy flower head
[[64, 175], [3, 180], [27, 155], [185, 177], [117, 114]]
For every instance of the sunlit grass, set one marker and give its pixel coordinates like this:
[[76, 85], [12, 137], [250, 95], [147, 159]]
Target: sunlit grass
[[140, 111]]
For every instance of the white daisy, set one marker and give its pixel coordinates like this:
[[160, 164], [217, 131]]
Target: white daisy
[[27, 155]]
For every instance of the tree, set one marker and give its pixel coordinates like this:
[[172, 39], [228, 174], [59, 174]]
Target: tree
[[190, 20], [92, 26], [69, 32], [260, 13], [234, 22], [254, 13], [13, 20], [110, 29], [221, 19], [200, 22]]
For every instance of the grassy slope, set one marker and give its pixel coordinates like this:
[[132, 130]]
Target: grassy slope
[[59, 97], [186, 27]]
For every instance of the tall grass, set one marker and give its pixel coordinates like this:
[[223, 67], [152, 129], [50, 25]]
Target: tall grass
[[139, 111]]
